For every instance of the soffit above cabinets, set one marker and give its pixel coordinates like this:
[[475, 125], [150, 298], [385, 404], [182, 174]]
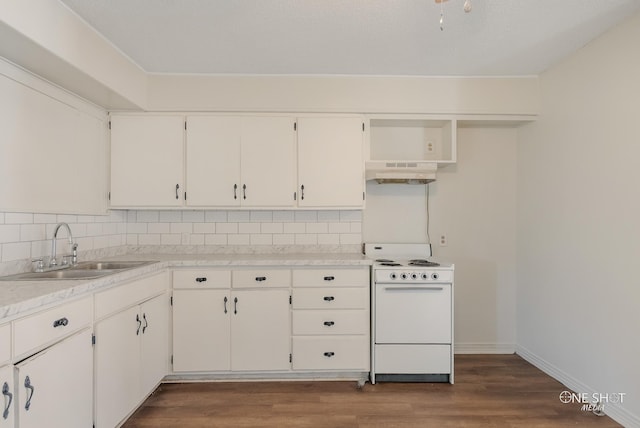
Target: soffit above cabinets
[[351, 37]]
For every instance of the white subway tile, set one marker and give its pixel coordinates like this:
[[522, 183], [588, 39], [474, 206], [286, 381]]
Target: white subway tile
[[1, 218], [215, 216], [271, 228], [295, 227], [204, 228], [261, 239], [101, 242], [32, 232], [116, 240], [158, 228], [132, 216], [136, 227], [18, 218], [356, 227], [94, 219], [181, 228], [122, 228], [109, 229], [118, 215], [328, 215], [351, 215], [284, 239], [197, 239], [283, 216], [147, 216], [94, 229], [261, 216], [192, 216], [239, 239], [306, 239], [16, 251], [339, 228], [9, 233], [249, 228], [226, 227], [84, 244], [170, 239], [350, 238], [149, 239], [132, 239], [239, 216], [170, 216], [67, 218], [41, 249], [78, 229], [317, 228], [306, 216], [45, 218], [328, 239], [215, 239]]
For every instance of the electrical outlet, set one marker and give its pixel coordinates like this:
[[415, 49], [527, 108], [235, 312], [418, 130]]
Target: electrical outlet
[[430, 146], [443, 240]]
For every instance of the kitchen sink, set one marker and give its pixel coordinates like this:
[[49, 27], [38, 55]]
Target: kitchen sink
[[83, 270]]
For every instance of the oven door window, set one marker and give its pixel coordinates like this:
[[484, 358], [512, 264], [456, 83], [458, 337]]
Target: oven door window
[[413, 314]]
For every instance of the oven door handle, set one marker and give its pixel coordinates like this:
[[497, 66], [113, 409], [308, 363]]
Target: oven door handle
[[414, 288]]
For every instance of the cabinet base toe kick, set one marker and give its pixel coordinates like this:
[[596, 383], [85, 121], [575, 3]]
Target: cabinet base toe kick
[[267, 376]]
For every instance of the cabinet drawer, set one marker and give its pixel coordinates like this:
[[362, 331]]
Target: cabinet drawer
[[5, 343], [198, 279], [331, 277], [260, 278], [331, 353], [323, 298], [45, 327], [413, 359], [118, 298], [330, 322]]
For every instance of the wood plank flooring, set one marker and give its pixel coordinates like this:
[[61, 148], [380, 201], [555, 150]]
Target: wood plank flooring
[[490, 391]]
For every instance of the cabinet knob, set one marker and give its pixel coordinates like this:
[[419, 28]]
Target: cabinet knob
[[201, 279], [329, 354], [329, 278], [329, 298], [329, 323], [61, 322], [261, 278]]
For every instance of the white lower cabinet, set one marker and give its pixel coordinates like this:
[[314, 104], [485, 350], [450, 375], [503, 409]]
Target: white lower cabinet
[[217, 328], [7, 418], [55, 385], [131, 350]]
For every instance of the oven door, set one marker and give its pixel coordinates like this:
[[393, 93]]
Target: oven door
[[415, 313]]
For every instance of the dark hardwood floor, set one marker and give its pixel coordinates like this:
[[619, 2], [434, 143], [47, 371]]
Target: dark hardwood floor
[[490, 391]]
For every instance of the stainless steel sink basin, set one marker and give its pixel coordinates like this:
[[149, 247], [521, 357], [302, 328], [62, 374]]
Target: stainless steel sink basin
[[84, 270], [108, 265]]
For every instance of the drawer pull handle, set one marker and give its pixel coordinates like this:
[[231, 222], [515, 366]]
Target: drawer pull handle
[[61, 322], [235, 305], [146, 323], [329, 278], [27, 384], [139, 324], [329, 323], [225, 304], [6, 393], [329, 298], [201, 279], [329, 354], [261, 278]]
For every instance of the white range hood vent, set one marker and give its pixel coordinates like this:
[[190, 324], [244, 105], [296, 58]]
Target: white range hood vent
[[405, 172]]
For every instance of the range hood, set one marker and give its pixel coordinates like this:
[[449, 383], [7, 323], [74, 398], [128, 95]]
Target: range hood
[[406, 172]]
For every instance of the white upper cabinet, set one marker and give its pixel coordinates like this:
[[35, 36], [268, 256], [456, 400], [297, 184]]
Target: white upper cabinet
[[246, 161], [147, 160], [330, 162]]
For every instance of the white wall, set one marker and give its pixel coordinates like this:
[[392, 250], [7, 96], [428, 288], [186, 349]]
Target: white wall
[[578, 228], [473, 203]]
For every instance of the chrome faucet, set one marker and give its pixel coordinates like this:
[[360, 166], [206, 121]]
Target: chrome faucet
[[74, 246]]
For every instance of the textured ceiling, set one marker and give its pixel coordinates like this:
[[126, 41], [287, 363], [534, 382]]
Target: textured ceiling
[[350, 37]]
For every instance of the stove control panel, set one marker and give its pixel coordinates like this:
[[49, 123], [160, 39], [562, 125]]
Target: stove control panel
[[409, 276]]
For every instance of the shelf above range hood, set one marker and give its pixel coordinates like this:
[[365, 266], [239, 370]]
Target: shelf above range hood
[[404, 172]]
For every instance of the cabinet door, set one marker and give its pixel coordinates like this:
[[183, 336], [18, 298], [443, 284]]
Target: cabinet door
[[8, 402], [146, 160], [55, 386], [330, 162], [213, 161], [117, 365], [201, 330], [260, 330], [268, 161], [155, 342]]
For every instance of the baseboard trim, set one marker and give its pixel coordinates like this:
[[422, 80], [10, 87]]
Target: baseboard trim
[[614, 410], [484, 348]]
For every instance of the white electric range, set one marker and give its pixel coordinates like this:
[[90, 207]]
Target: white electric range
[[411, 314]]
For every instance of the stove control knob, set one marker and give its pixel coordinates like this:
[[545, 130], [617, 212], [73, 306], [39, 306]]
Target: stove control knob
[[414, 275], [404, 275], [393, 275], [434, 276], [424, 276]]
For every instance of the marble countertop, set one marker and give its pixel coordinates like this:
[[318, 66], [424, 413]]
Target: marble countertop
[[21, 297]]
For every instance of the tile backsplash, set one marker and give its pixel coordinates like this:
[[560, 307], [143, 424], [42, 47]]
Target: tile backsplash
[[25, 236]]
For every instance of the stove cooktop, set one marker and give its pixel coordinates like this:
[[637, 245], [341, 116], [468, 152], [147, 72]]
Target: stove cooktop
[[413, 262]]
